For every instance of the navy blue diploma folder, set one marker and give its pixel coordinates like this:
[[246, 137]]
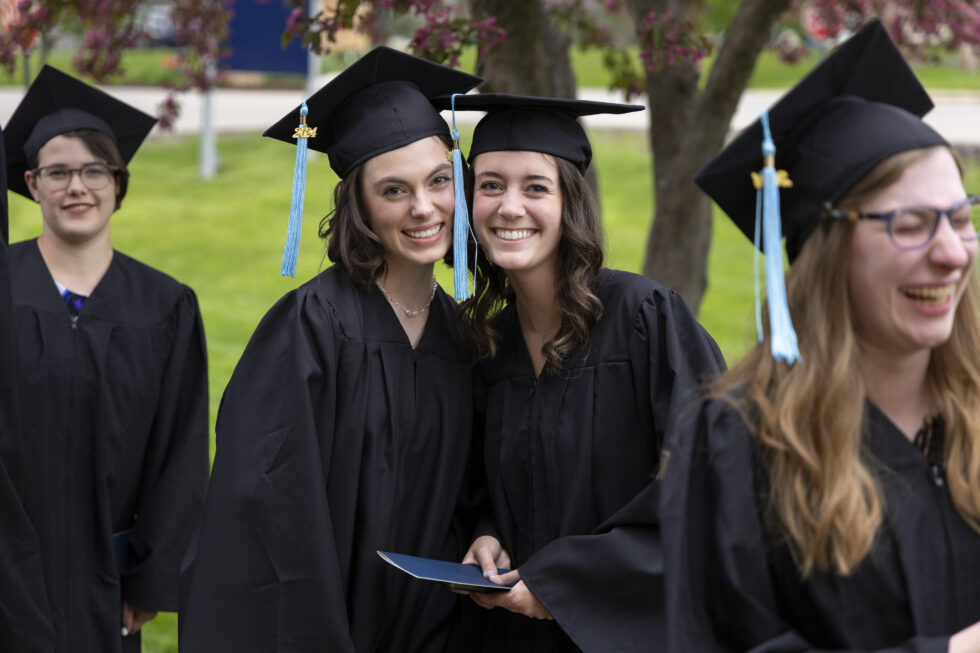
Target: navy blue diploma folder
[[457, 576]]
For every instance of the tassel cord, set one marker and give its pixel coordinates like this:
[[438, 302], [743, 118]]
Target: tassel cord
[[461, 219], [290, 254], [783, 336]]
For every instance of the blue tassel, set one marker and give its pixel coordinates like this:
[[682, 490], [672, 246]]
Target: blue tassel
[[782, 335], [290, 253], [461, 220]]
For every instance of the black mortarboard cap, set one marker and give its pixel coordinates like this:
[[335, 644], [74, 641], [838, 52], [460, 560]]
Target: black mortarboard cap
[[861, 105], [57, 103], [378, 104], [536, 124]]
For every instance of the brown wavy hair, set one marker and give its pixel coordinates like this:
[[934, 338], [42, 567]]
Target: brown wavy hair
[[351, 242], [579, 261], [822, 494]]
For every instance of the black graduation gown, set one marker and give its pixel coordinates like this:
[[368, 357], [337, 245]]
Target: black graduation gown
[[732, 584], [25, 619], [570, 460], [335, 439], [114, 407]]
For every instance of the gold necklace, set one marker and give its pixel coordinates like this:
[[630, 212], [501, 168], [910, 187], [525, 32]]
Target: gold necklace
[[410, 312]]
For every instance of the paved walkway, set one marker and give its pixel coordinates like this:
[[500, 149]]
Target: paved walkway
[[956, 116]]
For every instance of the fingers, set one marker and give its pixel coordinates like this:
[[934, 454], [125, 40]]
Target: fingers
[[485, 559], [490, 600], [509, 578], [478, 598], [127, 619], [133, 619], [140, 617], [483, 552], [503, 559], [525, 602]]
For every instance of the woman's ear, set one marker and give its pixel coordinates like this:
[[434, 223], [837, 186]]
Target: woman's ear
[[31, 181]]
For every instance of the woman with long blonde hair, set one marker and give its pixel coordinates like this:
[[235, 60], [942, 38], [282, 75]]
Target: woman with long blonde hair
[[829, 497]]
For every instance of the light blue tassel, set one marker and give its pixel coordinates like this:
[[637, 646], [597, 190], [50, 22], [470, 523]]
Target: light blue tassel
[[290, 253], [781, 333], [461, 220]]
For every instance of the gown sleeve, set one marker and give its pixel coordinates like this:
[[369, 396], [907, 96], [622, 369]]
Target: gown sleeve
[[175, 467], [263, 573], [720, 594], [25, 619], [605, 589]]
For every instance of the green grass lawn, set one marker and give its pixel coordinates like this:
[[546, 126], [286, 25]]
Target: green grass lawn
[[224, 238]]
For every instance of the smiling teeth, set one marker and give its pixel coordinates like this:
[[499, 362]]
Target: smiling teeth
[[431, 231], [514, 234], [929, 294]]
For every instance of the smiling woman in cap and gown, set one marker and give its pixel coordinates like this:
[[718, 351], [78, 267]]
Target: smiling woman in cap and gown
[[112, 375], [584, 370], [827, 495], [346, 425]]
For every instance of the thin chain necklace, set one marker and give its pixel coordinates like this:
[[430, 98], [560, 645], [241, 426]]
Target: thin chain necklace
[[411, 312]]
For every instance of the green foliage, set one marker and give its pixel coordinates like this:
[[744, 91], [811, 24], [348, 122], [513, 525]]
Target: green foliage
[[154, 67], [143, 67], [718, 14], [770, 72], [224, 238]]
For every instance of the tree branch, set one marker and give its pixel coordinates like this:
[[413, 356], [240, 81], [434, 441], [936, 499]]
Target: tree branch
[[734, 63]]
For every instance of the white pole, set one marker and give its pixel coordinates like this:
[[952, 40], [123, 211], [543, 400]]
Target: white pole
[[208, 149], [312, 71]]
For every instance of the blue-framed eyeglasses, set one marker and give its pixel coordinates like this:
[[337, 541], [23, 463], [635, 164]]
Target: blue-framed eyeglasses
[[912, 227]]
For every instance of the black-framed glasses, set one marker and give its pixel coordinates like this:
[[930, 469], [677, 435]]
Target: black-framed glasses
[[95, 176], [912, 227]]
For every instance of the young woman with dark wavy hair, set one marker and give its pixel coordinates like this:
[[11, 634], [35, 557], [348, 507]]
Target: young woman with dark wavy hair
[[346, 425], [583, 369], [829, 498]]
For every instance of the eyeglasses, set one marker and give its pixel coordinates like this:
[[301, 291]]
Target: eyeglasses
[[95, 176], [914, 226]]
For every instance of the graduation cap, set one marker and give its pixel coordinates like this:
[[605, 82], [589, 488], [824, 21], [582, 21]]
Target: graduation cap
[[861, 105], [536, 124], [378, 104], [57, 103]]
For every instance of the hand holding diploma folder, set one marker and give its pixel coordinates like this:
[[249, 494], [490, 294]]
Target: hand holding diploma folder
[[456, 576]]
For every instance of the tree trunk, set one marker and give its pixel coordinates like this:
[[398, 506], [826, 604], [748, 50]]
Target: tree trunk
[[533, 59], [687, 127]]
